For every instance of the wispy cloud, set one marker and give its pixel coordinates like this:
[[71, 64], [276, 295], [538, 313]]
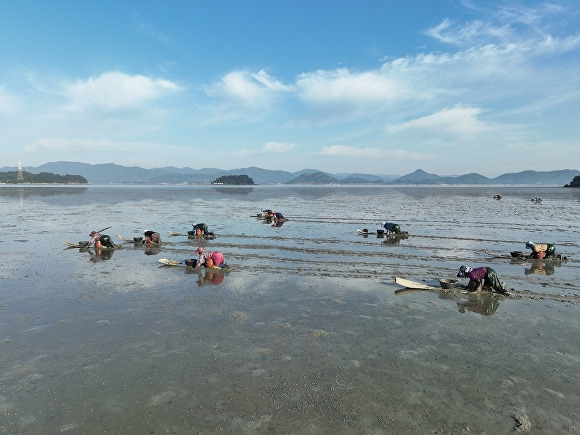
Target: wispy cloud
[[346, 151], [458, 121], [268, 148], [243, 95], [9, 103], [142, 27]]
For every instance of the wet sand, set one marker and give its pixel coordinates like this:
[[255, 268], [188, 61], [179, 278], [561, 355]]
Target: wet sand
[[308, 333]]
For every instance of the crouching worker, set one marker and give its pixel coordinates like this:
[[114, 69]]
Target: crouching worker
[[151, 237], [209, 259], [541, 250], [101, 240], [198, 229], [391, 228], [482, 277]]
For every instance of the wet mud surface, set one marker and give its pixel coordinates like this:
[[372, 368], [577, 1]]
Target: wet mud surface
[[308, 333]]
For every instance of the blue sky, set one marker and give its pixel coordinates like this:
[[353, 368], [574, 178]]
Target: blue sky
[[383, 87]]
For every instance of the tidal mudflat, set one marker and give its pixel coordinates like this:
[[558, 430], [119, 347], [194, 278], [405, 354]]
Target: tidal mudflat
[[308, 333]]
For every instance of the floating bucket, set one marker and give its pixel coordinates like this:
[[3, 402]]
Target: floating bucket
[[191, 262], [447, 283]]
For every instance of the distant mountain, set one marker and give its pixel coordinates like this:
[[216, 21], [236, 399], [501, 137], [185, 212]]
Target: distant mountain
[[362, 180], [111, 173], [557, 178], [419, 176], [368, 178], [533, 177], [316, 178]]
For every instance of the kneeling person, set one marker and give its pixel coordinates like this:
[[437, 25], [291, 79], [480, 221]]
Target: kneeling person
[[209, 258], [541, 250], [101, 240], [151, 237], [392, 228], [480, 277]]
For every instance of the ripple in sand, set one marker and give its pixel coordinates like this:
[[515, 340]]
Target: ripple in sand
[[240, 317], [160, 398], [68, 427], [5, 406], [27, 419]]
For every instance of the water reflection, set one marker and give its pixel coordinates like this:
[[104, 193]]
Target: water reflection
[[210, 277], [481, 302], [395, 239], [540, 268], [98, 254], [234, 190], [152, 249]]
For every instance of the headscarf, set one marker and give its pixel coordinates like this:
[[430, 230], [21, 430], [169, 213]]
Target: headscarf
[[463, 271], [530, 245]]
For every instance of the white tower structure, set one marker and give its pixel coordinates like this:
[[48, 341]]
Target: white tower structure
[[19, 177]]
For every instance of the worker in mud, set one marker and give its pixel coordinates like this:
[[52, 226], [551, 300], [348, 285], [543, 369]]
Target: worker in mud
[[151, 237], [482, 277], [541, 250], [209, 259], [101, 240], [391, 228], [198, 229], [277, 216]]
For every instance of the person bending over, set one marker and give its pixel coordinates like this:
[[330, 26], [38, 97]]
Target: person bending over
[[481, 277], [209, 259], [101, 240]]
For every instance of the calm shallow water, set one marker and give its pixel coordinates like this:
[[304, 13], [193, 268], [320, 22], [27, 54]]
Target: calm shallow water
[[305, 334]]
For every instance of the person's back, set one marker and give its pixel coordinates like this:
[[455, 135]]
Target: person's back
[[151, 236], [394, 228]]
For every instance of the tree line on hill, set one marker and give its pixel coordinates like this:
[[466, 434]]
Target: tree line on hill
[[575, 182], [234, 180], [11, 177]]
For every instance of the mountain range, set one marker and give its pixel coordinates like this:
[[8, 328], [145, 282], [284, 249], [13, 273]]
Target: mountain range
[[111, 173]]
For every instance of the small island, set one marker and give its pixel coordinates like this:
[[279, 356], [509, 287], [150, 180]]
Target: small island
[[234, 180], [16, 177], [575, 182]]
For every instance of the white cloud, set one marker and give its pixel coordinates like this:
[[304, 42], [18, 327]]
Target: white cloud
[[64, 145], [277, 147], [268, 148], [457, 121], [244, 95], [343, 150], [113, 91], [8, 104]]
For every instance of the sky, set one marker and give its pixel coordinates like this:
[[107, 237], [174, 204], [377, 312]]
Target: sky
[[363, 86]]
